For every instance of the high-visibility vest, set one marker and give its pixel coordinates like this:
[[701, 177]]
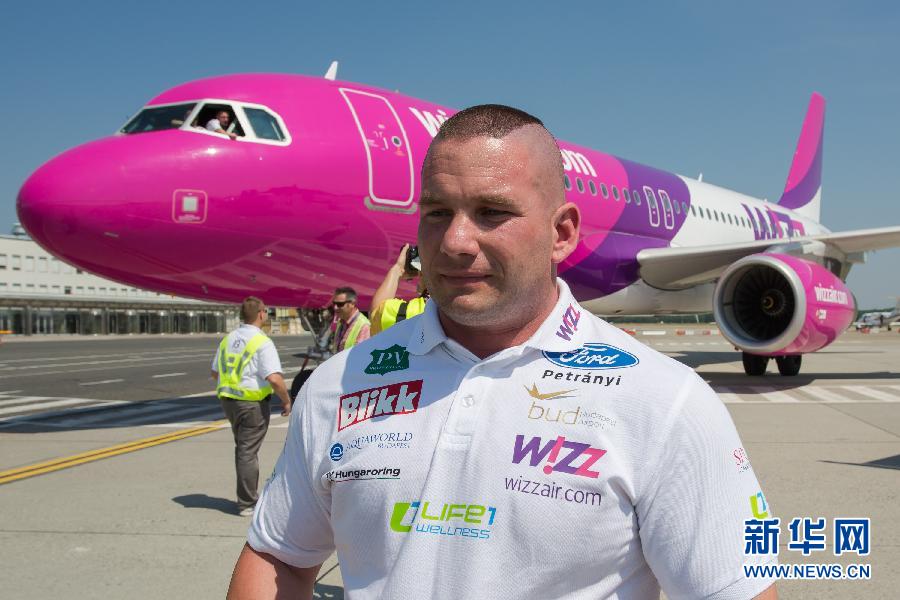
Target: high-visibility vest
[[358, 323], [392, 311], [231, 369]]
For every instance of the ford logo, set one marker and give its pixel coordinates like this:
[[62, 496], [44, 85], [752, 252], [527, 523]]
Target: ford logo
[[337, 452], [593, 356]]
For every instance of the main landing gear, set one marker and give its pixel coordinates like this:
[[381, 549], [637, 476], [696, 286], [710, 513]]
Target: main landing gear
[[755, 365]]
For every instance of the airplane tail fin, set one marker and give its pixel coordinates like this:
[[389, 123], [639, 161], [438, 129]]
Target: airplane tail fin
[[803, 190]]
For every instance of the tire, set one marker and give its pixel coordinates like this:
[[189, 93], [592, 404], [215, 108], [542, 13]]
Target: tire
[[789, 365], [754, 365], [298, 382]]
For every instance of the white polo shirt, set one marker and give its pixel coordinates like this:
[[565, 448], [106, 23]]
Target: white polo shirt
[[580, 464], [263, 363]]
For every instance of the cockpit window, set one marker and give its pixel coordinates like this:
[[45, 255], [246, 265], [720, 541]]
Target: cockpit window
[[218, 117], [264, 124], [158, 118]]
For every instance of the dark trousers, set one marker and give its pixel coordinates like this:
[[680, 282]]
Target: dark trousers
[[249, 423]]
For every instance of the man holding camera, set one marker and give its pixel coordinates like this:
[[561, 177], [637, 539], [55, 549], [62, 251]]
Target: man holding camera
[[387, 309]]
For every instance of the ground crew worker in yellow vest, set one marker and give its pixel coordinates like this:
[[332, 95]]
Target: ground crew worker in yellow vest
[[388, 310], [248, 370], [352, 326]]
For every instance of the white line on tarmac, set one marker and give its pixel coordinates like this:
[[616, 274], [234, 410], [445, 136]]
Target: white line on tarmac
[[103, 382], [168, 375], [43, 405], [821, 394], [873, 393], [7, 393], [24, 400], [773, 395]]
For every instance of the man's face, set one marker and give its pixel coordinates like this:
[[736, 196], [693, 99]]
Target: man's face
[[486, 230], [224, 119], [264, 313], [343, 308]]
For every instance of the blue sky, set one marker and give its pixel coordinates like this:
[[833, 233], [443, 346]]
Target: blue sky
[[712, 87]]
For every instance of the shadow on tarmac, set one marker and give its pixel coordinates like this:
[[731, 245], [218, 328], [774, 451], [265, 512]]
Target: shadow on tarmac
[[889, 462], [229, 507]]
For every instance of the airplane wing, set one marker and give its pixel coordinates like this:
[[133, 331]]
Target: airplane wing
[[683, 267]]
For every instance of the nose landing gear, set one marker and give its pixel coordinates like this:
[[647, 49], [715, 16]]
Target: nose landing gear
[[755, 365]]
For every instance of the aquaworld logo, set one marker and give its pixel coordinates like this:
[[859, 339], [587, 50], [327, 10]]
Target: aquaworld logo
[[397, 398], [577, 459], [593, 356], [462, 520]]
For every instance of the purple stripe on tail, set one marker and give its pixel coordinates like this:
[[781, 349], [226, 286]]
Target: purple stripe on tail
[[805, 178]]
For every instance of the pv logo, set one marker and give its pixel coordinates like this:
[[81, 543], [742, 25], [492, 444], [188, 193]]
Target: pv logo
[[593, 356]]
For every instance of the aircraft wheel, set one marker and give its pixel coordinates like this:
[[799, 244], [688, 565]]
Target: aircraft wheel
[[789, 365], [298, 382], [754, 364]]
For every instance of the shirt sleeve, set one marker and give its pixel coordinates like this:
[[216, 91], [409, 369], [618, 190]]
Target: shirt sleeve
[[375, 317], [213, 125], [691, 516], [292, 521], [268, 360]]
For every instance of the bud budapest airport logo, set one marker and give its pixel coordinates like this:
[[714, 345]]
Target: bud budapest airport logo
[[397, 398], [562, 455], [395, 358], [543, 410], [462, 520], [593, 356]]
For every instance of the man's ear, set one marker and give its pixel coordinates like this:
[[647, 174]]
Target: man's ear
[[566, 231]]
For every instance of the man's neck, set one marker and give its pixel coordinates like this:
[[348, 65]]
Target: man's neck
[[350, 318], [483, 341]]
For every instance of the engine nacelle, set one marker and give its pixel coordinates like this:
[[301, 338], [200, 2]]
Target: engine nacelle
[[777, 305]]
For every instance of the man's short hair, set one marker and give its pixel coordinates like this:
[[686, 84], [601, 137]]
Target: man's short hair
[[486, 120], [498, 121], [347, 291], [250, 308]]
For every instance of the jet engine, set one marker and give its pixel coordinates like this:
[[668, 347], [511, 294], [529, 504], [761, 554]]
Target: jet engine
[[775, 305]]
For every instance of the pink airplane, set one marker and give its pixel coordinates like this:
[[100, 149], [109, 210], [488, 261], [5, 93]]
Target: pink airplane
[[320, 186]]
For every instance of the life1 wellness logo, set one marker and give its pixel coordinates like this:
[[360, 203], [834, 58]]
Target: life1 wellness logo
[[473, 521], [593, 356], [397, 398]]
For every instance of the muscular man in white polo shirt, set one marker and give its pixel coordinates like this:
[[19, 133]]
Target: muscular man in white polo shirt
[[506, 443]]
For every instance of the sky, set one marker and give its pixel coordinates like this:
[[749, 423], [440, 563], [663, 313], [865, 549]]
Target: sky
[[718, 88]]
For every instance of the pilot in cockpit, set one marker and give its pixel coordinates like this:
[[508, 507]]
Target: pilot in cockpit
[[220, 124]]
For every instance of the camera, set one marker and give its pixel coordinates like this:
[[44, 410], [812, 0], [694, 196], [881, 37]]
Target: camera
[[413, 263]]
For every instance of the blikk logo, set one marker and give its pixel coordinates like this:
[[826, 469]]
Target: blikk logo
[[577, 459], [398, 398], [569, 323], [593, 356]]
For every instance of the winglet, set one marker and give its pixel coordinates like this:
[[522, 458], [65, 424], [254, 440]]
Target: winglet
[[331, 73], [803, 189]]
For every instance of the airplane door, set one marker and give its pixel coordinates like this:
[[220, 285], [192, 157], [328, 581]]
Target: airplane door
[[668, 215], [387, 151], [652, 206]]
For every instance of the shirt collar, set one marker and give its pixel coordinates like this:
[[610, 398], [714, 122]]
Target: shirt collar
[[562, 331], [251, 326], [564, 328]]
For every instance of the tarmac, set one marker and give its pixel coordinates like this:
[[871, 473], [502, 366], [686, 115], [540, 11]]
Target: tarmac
[[116, 474]]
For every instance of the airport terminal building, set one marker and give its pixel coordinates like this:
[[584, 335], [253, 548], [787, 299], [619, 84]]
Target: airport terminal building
[[40, 294]]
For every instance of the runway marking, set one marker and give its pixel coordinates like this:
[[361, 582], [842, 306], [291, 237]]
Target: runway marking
[[66, 462], [17, 400], [819, 393], [168, 375], [11, 392], [872, 393], [103, 382], [55, 403]]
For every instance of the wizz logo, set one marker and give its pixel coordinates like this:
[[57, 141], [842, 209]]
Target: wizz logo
[[569, 323], [537, 451]]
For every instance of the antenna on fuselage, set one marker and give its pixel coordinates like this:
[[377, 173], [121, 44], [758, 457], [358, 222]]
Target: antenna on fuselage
[[331, 73]]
